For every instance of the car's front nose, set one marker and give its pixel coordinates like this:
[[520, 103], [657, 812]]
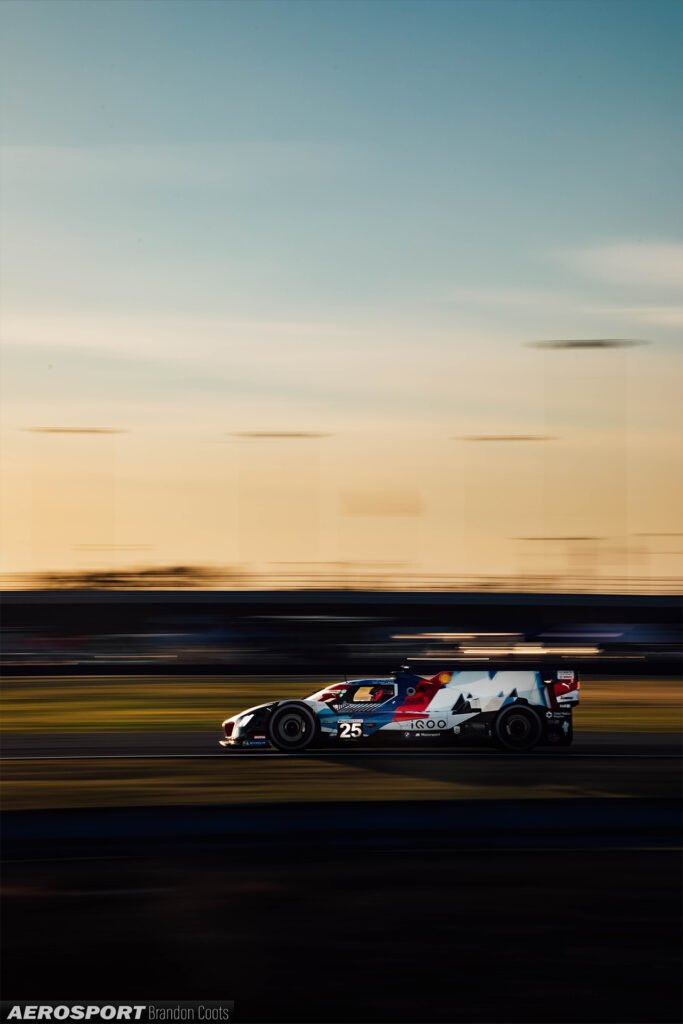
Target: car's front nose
[[237, 733], [228, 733], [247, 729]]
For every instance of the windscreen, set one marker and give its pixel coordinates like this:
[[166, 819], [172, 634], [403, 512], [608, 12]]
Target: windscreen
[[364, 691]]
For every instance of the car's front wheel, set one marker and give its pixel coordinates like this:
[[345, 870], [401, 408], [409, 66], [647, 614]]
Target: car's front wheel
[[517, 729], [292, 728]]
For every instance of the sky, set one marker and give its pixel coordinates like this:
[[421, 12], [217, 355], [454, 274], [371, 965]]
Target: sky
[[350, 220]]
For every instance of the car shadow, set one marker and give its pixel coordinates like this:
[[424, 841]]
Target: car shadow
[[474, 767]]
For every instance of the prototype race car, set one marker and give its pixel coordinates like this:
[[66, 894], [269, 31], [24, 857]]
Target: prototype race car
[[515, 710]]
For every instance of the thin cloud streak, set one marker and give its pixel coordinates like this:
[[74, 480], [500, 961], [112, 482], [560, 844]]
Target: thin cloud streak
[[587, 343], [505, 437], [269, 435], [73, 430]]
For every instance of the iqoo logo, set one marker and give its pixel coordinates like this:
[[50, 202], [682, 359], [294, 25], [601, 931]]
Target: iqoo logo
[[430, 723]]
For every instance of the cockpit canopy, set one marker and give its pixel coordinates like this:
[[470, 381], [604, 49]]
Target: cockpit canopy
[[357, 691]]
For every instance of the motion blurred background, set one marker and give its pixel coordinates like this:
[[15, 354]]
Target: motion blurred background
[[335, 334], [342, 295]]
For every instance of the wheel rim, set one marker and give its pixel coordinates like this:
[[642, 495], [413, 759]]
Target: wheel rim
[[519, 730], [292, 729], [518, 727]]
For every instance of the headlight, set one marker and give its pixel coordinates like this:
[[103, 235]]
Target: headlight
[[244, 720]]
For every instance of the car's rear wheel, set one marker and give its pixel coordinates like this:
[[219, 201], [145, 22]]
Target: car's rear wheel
[[517, 729], [292, 728]]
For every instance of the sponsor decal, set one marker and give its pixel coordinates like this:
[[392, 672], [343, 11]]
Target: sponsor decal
[[420, 724]]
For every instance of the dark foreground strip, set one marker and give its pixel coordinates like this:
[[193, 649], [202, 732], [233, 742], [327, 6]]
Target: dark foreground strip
[[346, 755], [506, 824]]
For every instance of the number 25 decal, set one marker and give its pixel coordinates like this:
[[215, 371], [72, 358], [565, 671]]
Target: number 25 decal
[[350, 730]]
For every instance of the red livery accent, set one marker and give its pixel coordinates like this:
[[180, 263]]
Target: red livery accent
[[566, 686], [419, 701]]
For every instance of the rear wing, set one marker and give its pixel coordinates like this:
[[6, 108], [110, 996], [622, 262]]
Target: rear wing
[[563, 686]]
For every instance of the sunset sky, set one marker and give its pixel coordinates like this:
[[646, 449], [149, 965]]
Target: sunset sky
[[348, 221]]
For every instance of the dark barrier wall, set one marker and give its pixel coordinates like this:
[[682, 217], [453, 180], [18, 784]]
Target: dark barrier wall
[[336, 631]]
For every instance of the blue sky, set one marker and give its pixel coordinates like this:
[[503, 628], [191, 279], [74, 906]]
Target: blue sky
[[315, 214], [304, 157]]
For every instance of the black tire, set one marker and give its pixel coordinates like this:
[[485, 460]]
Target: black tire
[[517, 729], [292, 728]]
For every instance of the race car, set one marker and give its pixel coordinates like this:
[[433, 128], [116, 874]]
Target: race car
[[514, 710]]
